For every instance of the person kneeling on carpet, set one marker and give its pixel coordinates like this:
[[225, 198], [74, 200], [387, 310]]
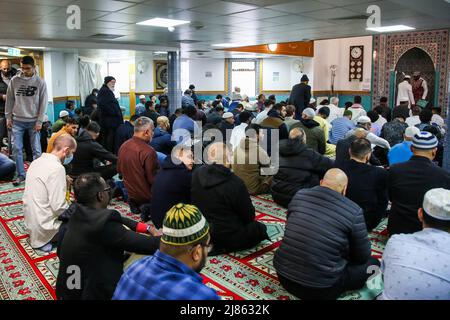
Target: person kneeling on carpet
[[325, 250], [224, 200], [44, 198], [93, 241], [172, 273]]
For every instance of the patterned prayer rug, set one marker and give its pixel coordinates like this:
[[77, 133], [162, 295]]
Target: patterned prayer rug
[[30, 274]]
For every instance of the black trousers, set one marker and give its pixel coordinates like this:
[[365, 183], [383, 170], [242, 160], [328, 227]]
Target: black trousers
[[108, 139], [143, 209], [353, 278]]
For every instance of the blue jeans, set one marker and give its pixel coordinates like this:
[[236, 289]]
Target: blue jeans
[[7, 168], [18, 131]]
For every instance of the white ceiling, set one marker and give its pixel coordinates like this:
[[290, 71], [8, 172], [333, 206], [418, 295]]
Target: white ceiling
[[246, 22]]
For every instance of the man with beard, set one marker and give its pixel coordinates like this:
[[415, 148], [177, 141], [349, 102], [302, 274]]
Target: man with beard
[[6, 73], [172, 272]]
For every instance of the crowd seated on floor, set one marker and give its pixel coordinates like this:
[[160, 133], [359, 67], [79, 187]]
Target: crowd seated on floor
[[338, 171]]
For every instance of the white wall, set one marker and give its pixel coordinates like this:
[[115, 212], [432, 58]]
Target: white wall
[[144, 81], [336, 51], [197, 70], [288, 76], [72, 75], [48, 74], [58, 68]]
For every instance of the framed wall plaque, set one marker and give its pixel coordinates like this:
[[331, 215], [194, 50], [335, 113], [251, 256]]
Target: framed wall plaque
[[159, 75], [356, 62]]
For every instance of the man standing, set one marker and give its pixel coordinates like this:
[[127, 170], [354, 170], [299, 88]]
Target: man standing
[[410, 180], [419, 87], [194, 95], [110, 113], [6, 74], [90, 101], [44, 198], [186, 99], [300, 96], [405, 91], [357, 109], [138, 164], [26, 104]]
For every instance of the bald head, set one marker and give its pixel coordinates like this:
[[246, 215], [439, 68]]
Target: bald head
[[297, 133], [335, 179], [5, 66], [64, 141], [360, 133], [219, 153]]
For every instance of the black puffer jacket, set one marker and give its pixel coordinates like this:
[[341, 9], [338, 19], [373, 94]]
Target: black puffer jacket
[[223, 199], [4, 88], [87, 151], [300, 167], [324, 232]]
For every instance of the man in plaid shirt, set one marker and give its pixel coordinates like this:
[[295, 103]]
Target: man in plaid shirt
[[172, 273]]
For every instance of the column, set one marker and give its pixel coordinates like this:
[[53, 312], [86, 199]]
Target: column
[[174, 80]]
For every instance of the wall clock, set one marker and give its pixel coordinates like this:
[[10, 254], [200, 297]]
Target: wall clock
[[356, 62]]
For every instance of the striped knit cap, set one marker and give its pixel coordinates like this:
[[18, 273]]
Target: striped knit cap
[[425, 141], [184, 224]]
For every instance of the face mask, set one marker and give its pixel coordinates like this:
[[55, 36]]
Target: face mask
[[68, 159]]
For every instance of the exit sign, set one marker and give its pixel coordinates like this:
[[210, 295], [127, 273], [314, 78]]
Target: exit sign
[[14, 52]]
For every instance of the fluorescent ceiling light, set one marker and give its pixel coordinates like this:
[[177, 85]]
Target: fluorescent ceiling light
[[225, 45], [160, 52], [32, 47], [161, 22], [400, 27]]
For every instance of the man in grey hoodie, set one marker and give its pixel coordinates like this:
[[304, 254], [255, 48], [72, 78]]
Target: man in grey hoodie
[[26, 105]]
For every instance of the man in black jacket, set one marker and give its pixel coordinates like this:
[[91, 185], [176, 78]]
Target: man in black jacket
[[90, 152], [367, 185], [343, 146], [409, 181], [90, 101], [300, 96], [224, 200], [325, 250], [299, 167], [124, 133], [94, 239], [110, 114], [6, 73]]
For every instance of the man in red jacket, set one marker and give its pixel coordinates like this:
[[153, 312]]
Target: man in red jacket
[[138, 164]]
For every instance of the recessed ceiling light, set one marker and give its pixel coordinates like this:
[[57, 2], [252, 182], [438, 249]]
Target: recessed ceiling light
[[272, 47], [225, 45], [164, 23], [32, 47], [400, 27]]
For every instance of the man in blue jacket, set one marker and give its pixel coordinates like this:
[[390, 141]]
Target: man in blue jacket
[[111, 115]]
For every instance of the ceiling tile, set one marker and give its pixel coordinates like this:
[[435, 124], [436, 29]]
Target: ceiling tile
[[121, 18], [60, 3], [264, 3], [223, 7], [258, 14], [179, 4], [103, 5], [301, 6], [104, 24], [340, 3], [289, 19], [330, 14], [19, 9], [149, 11]]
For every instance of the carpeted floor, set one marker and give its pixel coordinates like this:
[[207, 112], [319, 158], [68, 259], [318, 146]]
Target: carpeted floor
[[30, 274]]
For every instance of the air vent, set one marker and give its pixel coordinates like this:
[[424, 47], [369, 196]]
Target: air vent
[[106, 36], [187, 41], [198, 51], [357, 17]]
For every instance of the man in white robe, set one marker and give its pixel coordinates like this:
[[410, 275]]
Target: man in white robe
[[405, 91], [44, 199]]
